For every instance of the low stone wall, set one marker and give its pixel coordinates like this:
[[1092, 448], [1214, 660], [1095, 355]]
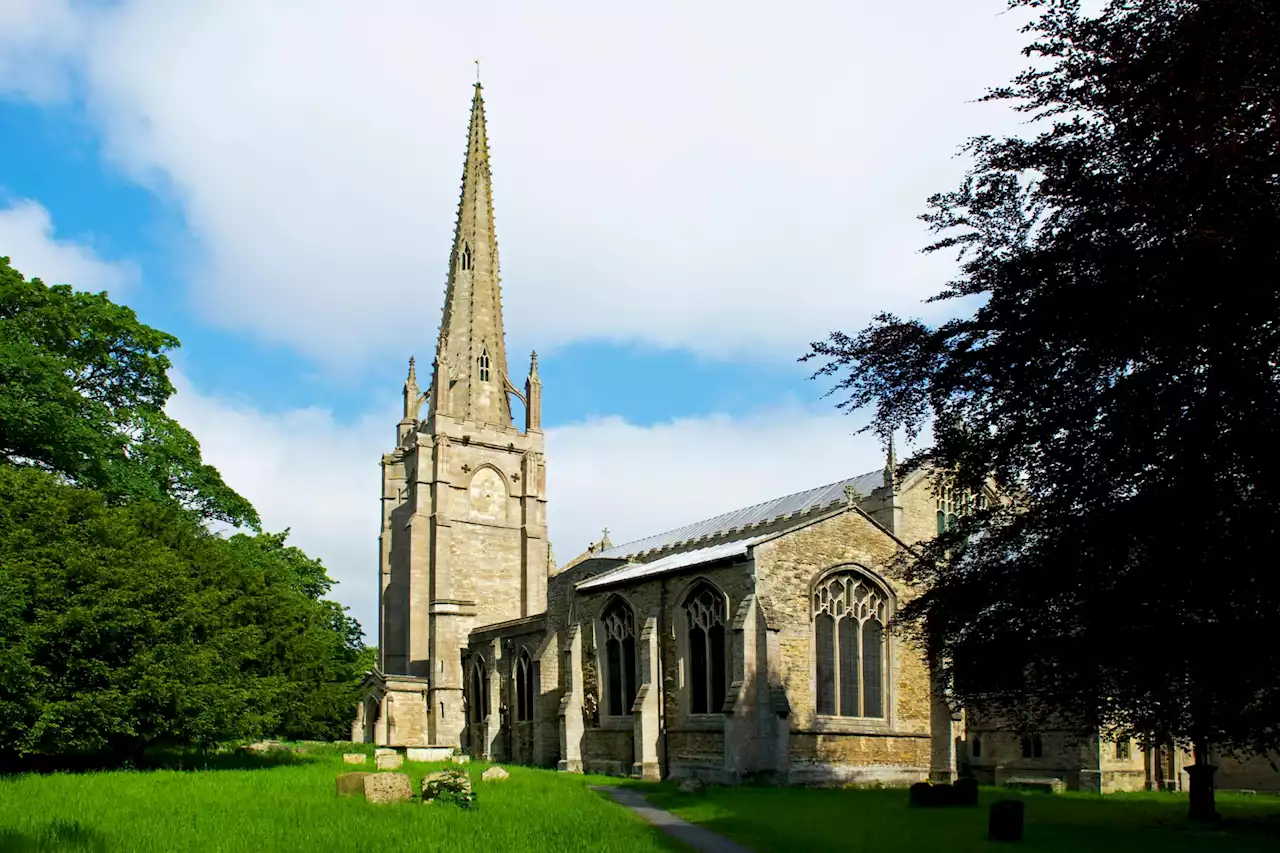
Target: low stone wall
[[607, 751]]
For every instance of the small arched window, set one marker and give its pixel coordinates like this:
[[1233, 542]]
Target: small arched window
[[619, 657], [465, 258], [976, 747], [1032, 747], [484, 365], [850, 612], [524, 687], [704, 610], [479, 691]]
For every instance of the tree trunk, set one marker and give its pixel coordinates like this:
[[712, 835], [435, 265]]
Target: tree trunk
[[1202, 806]]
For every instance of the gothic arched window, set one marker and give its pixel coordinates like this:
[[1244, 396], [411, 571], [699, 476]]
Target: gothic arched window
[[479, 691], [465, 261], [619, 657], [484, 365], [953, 503], [849, 616], [1032, 746], [524, 687], [704, 609]]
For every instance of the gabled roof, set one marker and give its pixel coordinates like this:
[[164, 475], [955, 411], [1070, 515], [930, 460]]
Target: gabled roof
[[800, 503], [736, 531]]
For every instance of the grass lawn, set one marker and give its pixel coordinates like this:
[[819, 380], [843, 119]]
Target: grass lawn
[[292, 807], [783, 820]]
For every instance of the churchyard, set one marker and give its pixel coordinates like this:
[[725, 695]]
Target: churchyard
[[230, 802]]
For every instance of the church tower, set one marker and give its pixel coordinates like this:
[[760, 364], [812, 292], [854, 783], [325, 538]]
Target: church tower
[[464, 540]]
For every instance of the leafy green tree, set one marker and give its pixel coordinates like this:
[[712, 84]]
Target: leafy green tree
[[83, 385], [120, 627], [1118, 379]]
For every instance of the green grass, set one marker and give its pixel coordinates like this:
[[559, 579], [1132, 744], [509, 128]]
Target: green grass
[[289, 804], [782, 820]]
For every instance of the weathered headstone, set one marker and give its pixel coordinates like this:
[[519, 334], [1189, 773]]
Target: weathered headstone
[[385, 750], [964, 792], [389, 762], [387, 788], [355, 758], [1004, 823], [460, 759], [691, 786], [495, 773], [351, 784]]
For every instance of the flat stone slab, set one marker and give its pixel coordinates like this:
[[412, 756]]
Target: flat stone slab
[[428, 753], [389, 762], [495, 774], [698, 837], [355, 758]]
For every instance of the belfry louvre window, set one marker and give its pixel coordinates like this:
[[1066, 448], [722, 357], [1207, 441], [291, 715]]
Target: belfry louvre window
[[953, 503], [704, 610], [849, 615], [465, 260], [479, 691], [524, 687], [484, 365], [619, 657]]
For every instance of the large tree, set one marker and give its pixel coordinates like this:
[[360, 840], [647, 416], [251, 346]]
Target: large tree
[[1119, 379], [83, 384]]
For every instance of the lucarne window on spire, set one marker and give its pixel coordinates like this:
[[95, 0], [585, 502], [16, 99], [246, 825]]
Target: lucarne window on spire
[[484, 365], [466, 256]]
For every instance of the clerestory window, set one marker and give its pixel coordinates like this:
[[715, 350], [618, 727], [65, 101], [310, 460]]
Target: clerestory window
[[850, 614], [619, 624], [953, 503], [704, 610]]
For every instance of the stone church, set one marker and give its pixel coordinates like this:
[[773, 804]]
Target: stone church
[[747, 645]]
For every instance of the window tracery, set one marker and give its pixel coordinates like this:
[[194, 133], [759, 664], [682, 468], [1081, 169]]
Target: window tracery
[[524, 687], [483, 364], [704, 609], [619, 626], [850, 613], [952, 503]]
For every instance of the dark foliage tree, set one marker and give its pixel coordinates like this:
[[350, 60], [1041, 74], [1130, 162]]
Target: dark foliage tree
[[125, 627], [1119, 379], [83, 385]]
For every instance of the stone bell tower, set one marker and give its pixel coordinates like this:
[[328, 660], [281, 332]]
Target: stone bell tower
[[464, 540]]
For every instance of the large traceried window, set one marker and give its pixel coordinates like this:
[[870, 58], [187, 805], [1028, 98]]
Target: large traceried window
[[619, 624], [849, 617], [704, 609], [953, 503], [524, 687], [479, 691]]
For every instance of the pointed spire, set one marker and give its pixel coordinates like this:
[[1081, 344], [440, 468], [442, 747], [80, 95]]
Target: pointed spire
[[891, 466], [472, 341], [533, 397]]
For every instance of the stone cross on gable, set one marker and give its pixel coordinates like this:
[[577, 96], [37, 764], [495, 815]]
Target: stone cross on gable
[[851, 494]]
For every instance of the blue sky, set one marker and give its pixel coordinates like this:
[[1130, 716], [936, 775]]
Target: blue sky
[[277, 189]]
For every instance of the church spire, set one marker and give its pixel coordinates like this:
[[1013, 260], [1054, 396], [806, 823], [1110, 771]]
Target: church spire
[[471, 356]]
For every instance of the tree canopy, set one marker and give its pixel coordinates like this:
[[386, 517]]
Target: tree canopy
[[83, 386], [124, 622], [1118, 379]]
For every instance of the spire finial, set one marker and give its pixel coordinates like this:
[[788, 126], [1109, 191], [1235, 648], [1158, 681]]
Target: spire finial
[[477, 62], [413, 375], [533, 364]]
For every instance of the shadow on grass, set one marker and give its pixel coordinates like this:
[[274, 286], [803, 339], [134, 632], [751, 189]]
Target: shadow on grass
[[57, 835], [175, 758]]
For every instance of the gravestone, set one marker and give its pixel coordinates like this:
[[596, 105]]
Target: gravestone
[[351, 784], [387, 788]]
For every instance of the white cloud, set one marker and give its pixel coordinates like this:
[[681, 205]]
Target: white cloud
[[730, 178], [27, 238], [306, 471], [38, 38]]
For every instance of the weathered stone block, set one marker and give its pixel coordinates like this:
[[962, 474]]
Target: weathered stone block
[[383, 750], [355, 758], [461, 759], [389, 762], [494, 774], [351, 784], [387, 788], [428, 753]]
